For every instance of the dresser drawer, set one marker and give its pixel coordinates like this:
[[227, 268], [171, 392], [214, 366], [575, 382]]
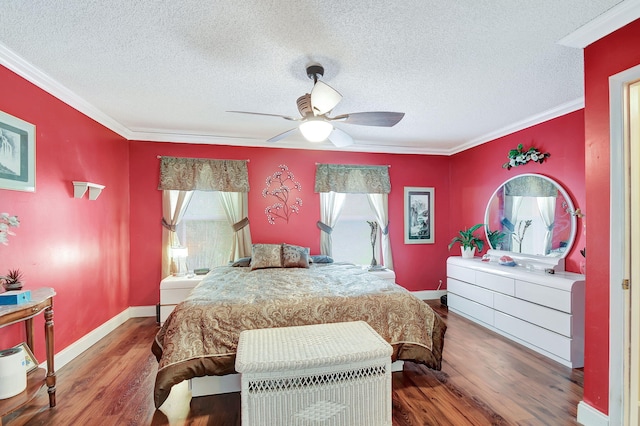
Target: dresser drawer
[[470, 291], [462, 274], [542, 338], [469, 308], [496, 282], [543, 295], [542, 316]]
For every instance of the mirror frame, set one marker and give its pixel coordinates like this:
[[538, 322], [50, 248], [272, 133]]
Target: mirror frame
[[570, 209]]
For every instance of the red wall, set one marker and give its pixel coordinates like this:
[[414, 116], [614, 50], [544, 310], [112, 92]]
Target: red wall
[[78, 247], [610, 55], [418, 266], [477, 172]]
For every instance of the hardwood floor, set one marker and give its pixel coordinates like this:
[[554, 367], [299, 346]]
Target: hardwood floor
[[485, 380]]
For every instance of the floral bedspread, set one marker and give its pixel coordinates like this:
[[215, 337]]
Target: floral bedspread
[[200, 336]]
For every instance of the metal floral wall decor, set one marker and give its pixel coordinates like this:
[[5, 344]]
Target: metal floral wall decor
[[520, 156], [280, 186]]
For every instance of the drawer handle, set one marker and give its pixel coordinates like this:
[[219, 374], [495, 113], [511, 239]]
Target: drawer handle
[[35, 309]]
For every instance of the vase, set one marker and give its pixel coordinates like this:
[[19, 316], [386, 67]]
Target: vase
[[12, 286], [468, 252]]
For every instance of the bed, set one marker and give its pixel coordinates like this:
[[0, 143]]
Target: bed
[[200, 336]]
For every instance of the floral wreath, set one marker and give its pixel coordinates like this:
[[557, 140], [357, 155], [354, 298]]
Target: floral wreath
[[518, 157]]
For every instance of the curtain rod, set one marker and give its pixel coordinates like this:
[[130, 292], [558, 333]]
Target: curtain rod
[[160, 156], [388, 165]]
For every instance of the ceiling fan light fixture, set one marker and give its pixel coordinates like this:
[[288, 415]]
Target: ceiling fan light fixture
[[315, 130]]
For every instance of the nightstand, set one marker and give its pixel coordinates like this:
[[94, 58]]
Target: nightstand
[[174, 290], [385, 274]]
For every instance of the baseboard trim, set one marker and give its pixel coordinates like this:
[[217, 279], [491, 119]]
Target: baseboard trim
[[75, 349], [429, 294], [142, 311], [589, 416]]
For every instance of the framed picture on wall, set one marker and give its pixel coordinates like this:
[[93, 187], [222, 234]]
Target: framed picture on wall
[[418, 215], [17, 154]]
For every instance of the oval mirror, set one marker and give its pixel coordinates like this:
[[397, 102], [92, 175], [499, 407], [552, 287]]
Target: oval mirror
[[531, 214]]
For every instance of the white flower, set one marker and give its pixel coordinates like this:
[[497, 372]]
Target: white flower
[[7, 221], [534, 156]]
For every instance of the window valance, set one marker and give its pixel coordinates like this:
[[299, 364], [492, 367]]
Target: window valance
[[530, 186], [203, 174], [352, 179]]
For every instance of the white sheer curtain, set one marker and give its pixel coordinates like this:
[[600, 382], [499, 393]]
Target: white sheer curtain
[[236, 208], [380, 205], [174, 204], [512, 204], [547, 208], [330, 207]]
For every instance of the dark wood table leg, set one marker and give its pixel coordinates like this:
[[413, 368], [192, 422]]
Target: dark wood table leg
[[28, 325], [51, 374]]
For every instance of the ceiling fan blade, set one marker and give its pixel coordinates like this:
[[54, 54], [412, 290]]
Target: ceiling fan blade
[[340, 138], [373, 118], [268, 115], [282, 135], [324, 98]]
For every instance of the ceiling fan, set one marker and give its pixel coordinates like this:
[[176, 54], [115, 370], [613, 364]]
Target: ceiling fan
[[315, 123]]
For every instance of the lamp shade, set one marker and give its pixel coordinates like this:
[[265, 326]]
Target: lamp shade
[[179, 252], [316, 130]]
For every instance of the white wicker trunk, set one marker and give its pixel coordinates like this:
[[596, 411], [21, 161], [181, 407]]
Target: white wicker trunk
[[326, 374]]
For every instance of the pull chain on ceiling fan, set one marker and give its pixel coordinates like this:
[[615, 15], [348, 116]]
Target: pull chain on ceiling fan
[[315, 125]]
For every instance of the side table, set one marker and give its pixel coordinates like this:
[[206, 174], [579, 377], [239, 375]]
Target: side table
[[41, 301], [173, 290], [385, 274]]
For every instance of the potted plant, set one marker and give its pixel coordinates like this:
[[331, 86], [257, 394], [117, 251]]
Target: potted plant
[[468, 241], [495, 238], [13, 280]]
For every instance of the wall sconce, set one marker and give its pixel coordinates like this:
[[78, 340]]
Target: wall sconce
[[79, 188], [179, 256]]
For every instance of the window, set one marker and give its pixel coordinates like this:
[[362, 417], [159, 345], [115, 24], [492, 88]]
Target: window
[[351, 236], [205, 231]]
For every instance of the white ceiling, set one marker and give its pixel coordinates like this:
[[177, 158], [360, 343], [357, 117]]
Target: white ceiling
[[463, 71]]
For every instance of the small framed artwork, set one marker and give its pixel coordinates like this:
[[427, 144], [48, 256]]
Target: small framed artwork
[[30, 360], [418, 215], [17, 154]]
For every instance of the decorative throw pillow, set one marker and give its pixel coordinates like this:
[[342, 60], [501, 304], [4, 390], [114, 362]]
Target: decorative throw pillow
[[266, 256], [243, 261], [295, 256], [321, 258]]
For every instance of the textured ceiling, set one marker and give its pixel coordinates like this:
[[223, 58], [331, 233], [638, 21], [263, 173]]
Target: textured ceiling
[[168, 70]]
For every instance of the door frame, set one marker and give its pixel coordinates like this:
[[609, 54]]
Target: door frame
[[618, 326]]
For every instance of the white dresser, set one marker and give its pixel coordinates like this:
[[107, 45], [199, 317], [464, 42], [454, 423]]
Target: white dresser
[[542, 311]]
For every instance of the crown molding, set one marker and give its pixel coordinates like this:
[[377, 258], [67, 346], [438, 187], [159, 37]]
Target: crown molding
[[29, 72], [613, 19], [550, 114], [179, 136], [22, 67]]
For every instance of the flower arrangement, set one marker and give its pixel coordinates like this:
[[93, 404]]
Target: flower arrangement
[[283, 182], [519, 235], [7, 222], [518, 157]]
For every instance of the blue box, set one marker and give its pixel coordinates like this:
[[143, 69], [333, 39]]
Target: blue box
[[15, 297]]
